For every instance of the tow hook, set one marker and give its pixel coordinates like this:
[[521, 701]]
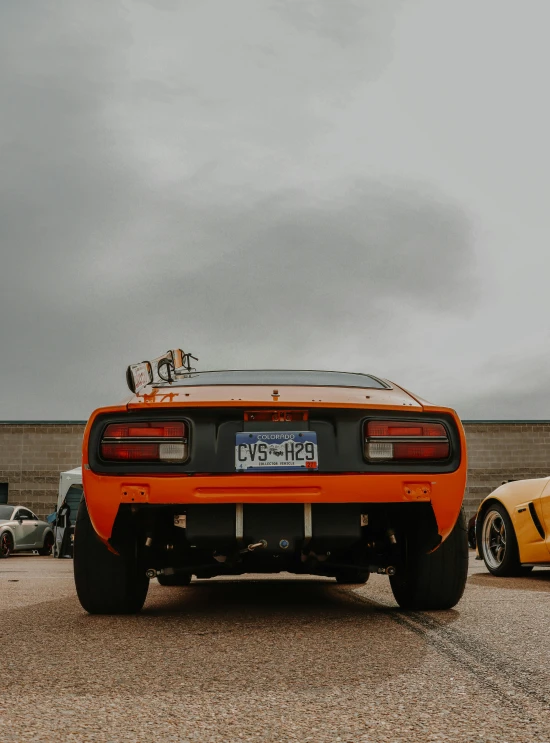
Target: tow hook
[[258, 545], [151, 573]]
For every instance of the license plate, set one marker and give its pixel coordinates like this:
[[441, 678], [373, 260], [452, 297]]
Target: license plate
[[262, 451]]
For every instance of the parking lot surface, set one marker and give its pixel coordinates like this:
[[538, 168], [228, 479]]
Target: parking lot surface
[[273, 659]]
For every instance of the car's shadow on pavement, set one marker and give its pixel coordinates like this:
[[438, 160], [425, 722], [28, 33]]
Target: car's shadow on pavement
[[302, 598], [277, 600], [274, 597]]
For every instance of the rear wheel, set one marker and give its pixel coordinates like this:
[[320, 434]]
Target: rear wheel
[[6, 544], [499, 546], [48, 545], [177, 579], [436, 580], [105, 583]]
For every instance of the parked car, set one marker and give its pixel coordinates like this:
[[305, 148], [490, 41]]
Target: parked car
[[21, 530], [231, 472], [513, 527]]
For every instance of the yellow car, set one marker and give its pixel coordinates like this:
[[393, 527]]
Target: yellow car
[[513, 527]]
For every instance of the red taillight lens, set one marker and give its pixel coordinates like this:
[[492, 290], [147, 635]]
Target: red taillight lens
[[405, 440], [402, 428], [421, 451], [129, 452], [163, 441], [173, 430]]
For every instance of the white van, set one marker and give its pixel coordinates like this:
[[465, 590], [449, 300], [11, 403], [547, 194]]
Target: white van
[[68, 500]]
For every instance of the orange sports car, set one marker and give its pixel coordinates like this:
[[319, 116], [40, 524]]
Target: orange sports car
[[229, 472]]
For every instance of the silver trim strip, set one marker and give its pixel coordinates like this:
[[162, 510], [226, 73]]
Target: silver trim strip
[[407, 439], [142, 440], [239, 521]]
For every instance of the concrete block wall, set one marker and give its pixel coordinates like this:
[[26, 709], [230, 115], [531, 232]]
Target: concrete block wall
[[504, 450], [31, 457], [33, 454]]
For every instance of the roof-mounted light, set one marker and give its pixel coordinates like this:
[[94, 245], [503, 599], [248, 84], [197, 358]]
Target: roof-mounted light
[[165, 368]]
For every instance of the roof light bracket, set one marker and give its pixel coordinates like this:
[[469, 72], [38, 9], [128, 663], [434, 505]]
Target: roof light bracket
[[165, 368]]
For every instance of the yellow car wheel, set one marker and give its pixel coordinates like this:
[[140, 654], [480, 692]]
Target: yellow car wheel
[[499, 546]]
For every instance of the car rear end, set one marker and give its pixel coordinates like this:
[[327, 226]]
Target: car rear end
[[205, 479]]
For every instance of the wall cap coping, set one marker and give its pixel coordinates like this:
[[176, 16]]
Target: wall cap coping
[[43, 423]]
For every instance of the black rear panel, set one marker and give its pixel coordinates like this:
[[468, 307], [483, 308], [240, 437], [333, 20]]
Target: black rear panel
[[212, 432], [322, 538]]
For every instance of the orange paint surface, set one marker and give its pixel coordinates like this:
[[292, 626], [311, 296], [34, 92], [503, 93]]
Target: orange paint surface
[[105, 493], [236, 395]]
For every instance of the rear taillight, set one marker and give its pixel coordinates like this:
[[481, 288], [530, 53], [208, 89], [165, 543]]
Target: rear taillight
[[170, 430], [164, 441], [403, 440]]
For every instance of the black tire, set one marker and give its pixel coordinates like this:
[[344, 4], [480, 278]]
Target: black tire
[[48, 545], [177, 579], [437, 580], [105, 583], [6, 544], [348, 577], [507, 565]]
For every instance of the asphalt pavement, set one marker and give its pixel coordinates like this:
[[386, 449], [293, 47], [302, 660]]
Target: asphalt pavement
[[273, 659]]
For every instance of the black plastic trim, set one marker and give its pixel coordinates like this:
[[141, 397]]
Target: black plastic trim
[[184, 377], [211, 450], [536, 520]]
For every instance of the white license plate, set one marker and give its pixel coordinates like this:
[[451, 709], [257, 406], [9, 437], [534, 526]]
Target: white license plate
[[262, 451]]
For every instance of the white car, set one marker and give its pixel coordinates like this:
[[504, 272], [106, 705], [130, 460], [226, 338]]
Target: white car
[[21, 530]]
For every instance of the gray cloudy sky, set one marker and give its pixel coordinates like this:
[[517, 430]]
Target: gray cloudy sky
[[357, 185]]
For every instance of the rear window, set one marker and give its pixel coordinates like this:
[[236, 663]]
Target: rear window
[[279, 378]]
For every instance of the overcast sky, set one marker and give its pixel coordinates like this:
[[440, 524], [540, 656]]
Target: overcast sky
[[329, 184]]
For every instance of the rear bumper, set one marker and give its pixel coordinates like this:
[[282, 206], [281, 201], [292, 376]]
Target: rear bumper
[[105, 493]]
